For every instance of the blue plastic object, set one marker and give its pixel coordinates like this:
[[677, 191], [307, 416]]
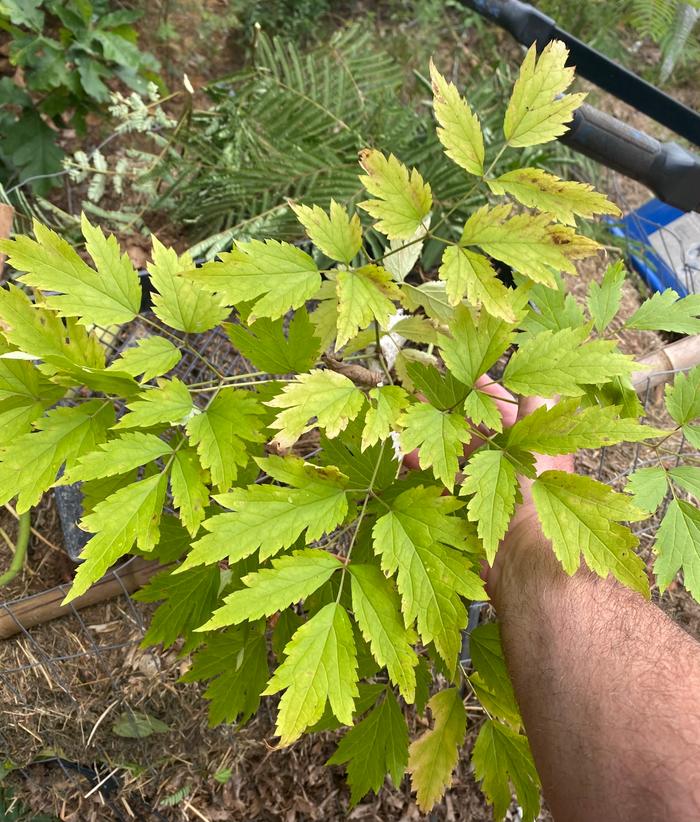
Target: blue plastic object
[[653, 242]]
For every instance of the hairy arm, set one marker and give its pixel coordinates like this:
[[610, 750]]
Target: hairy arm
[[608, 686]]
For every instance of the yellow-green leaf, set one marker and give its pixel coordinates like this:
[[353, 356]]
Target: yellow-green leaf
[[471, 275], [338, 235], [385, 407], [433, 756], [403, 199], [320, 667], [538, 110], [364, 294], [150, 357], [459, 130], [170, 402], [188, 483], [565, 199]]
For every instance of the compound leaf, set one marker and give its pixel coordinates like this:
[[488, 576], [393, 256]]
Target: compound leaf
[[28, 466], [150, 357], [186, 601], [433, 756], [403, 199], [320, 666], [277, 276], [374, 747], [440, 437], [664, 311], [502, 757], [270, 517], [561, 362], [376, 607], [108, 296], [221, 433], [338, 235], [386, 406], [170, 403], [416, 540], [116, 457], [178, 301], [236, 663], [678, 547], [604, 299], [459, 130], [290, 579], [130, 515], [188, 483], [471, 275], [266, 346], [490, 478], [538, 109], [564, 199], [580, 516], [364, 294], [320, 398]]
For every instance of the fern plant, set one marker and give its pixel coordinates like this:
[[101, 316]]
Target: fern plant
[[306, 561]]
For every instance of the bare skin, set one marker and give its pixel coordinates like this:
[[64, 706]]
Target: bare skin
[[608, 686]]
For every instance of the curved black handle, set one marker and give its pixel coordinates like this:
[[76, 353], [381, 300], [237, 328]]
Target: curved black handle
[[670, 171]]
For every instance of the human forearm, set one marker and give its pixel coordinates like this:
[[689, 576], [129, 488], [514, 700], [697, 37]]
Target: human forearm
[[608, 687]]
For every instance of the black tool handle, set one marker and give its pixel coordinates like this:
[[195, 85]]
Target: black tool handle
[[670, 171]]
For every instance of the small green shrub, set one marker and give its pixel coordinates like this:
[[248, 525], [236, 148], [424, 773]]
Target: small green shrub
[[306, 559]]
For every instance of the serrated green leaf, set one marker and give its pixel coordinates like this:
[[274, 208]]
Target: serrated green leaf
[[530, 244], [277, 276], [116, 457], [186, 601], [129, 516], [566, 428], [471, 275], [290, 579], [580, 516], [480, 409], [364, 294], [28, 466], [440, 437], [553, 309], [538, 109], [376, 608], [269, 517], [403, 199], [475, 344], [560, 362], [564, 199], [236, 663], [416, 328], [486, 653], [664, 311], [433, 756], [385, 407], [431, 296], [24, 396], [188, 483], [416, 540], [221, 433], [150, 357], [683, 397], [502, 757], [320, 667], [648, 486], [170, 403], [604, 299], [491, 479], [374, 747], [178, 301], [323, 399], [108, 296], [441, 390], [265, 345], [338, 235], [687, 477], [678, 547], [459, 130]]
